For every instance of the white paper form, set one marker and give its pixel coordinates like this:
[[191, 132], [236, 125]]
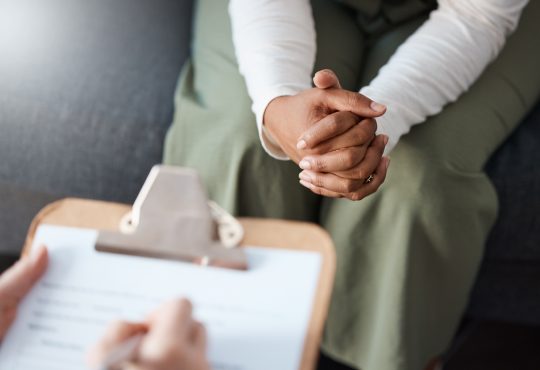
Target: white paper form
[[256, 320]]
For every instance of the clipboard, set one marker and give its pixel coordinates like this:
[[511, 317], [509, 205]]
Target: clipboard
[[108, 217]]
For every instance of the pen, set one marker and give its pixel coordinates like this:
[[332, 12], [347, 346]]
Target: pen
[[124, 352]]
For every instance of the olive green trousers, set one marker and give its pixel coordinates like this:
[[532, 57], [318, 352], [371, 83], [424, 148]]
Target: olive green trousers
[[407, 255]]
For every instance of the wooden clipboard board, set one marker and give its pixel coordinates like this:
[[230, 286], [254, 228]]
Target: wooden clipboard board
[[99, 215]]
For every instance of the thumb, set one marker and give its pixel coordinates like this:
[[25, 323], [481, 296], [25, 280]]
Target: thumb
[[361, 105], [16, 282], [343, 100], [326, 79]]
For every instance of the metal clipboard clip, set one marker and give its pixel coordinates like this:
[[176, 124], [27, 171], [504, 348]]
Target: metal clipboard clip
[[172, 219]]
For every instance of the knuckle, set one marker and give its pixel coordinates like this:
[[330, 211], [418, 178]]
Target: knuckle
[[349, 119], [307, 137], [332, 124], [318, 181], [348, 186], [370, 125], [353, 99], [320, 164], [349, 116], [362, 135], [348, 159], [360, 174]]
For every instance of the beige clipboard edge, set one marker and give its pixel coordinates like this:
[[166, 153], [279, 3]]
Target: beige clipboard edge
[[294, 235]]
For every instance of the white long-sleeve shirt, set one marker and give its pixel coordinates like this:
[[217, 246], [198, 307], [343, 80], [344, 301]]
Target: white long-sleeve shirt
[[275, 47]]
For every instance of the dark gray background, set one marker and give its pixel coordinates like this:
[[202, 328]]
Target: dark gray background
[[86, 94]]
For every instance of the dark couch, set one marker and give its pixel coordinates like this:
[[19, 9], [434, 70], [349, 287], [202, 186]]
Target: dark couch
[[86, 95]]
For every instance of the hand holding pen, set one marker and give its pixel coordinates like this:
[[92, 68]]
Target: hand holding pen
[[170, 339]]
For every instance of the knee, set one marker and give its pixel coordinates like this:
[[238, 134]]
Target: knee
[[419, 183], [413, 175], [437, 213]]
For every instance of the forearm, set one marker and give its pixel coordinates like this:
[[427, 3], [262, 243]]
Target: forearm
[[441, 61], [275, 48]]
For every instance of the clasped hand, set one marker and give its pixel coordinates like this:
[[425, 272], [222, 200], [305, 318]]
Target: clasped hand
[[331, 134]]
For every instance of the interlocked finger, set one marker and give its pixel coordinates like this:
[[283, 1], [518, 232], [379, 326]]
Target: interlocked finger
[[338, 160], [330, 126], [361, 134], [319, 185], [332, 182], [378, 179], [320, 191], [361, 105], [369, 163]]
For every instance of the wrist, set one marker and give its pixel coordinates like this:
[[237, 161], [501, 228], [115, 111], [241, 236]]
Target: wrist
[[272, 113], [272, 127]]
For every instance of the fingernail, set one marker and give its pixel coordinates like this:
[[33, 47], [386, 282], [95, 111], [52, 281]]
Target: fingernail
[[301, 144], [387, 162], [377, 107], [385, 139], [305, 164], [306, 184], [304, 176]]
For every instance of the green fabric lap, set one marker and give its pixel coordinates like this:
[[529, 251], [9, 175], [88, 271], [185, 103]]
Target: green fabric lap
[[417, 243], [407, 255]]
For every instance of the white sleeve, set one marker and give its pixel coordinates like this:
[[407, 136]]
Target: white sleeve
[[275, 47], [440, 61]]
